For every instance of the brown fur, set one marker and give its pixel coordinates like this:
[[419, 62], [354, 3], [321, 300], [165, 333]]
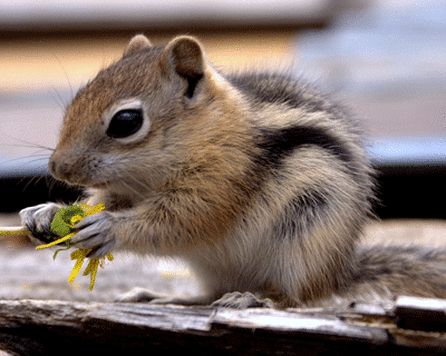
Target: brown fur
[[258, 181]]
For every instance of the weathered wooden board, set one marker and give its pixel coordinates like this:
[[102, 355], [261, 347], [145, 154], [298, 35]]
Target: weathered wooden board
[[82, 321], [421, 313], [60, 327]]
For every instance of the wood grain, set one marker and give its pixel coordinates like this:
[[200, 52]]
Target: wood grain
[[421, 313], [56, 327]]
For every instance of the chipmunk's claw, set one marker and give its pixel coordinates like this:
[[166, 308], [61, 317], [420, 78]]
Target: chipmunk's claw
[[96, 232], [37, 219], [238, 300]]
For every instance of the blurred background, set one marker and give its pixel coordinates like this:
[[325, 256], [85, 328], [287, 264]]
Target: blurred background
[[385, 60]]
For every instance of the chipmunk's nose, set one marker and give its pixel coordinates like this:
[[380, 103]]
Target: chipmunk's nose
[[59, 168]]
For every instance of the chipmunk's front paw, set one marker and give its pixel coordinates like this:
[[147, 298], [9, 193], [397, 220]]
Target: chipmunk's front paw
[[96, 232], [238, 300], [139, 295], [37, 219]]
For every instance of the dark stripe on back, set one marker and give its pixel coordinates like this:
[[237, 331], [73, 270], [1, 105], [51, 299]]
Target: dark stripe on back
[[278, 144], [300, 215], [277, 88]]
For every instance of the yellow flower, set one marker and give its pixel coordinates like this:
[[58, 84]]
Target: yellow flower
[[63, 223]]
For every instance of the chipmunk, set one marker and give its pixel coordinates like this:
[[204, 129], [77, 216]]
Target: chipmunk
[[256, 179]]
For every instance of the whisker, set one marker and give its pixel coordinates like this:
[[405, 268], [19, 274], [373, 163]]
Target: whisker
[[58, 98], [29, 182], [36, 179], [33, 178], [141, 184], [13, 160], [130, 187], [25, 146], [39, 178], [37, 160], [50, 183], [66, 75], [32, 155], [31, 144]]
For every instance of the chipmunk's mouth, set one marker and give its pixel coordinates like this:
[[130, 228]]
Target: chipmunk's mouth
[[100, 184], [76, 175], [87, 183]]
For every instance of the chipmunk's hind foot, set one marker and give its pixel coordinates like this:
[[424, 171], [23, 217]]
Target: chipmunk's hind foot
[[239, 300]]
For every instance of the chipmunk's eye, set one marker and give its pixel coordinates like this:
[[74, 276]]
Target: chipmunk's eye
[[125, 123]]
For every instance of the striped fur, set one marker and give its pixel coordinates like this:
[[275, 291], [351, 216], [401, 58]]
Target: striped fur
[[257, 180]]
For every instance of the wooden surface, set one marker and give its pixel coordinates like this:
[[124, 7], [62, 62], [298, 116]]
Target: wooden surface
[[88, 320], [56, 327], [421, 314]]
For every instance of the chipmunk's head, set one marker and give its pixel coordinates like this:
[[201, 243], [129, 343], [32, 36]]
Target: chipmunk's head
[[130, 120]]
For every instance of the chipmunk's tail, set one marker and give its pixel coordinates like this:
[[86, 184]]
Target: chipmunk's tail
[[400, 270]]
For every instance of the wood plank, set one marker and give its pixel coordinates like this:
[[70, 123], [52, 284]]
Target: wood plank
[[327, 327], [421, 313], [56, 327]]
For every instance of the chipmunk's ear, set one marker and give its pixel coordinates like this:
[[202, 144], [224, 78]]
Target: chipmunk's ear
[[137, 43], [184, 54]]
